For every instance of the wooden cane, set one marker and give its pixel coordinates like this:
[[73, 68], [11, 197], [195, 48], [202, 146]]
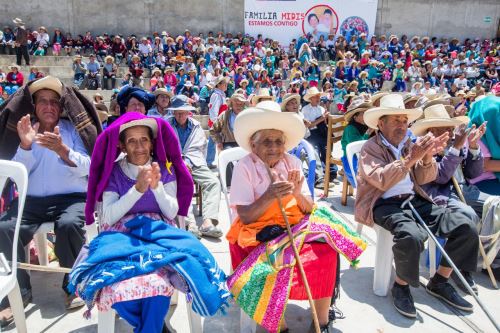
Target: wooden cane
[[48, 269], [297, 259], [481, 247]]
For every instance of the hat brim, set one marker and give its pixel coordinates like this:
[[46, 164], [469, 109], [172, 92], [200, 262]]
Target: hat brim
[[183, 108], [421, 126], [255, 119], [288, 99], [48, 82], [148, 122], [372, 116], [167, 93]]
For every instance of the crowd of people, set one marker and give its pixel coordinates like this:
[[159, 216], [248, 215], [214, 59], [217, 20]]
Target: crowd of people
[[429, 126]]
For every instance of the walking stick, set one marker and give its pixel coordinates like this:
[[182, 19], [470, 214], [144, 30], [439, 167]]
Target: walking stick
[[452, 264], [297, 259], [481, 247]]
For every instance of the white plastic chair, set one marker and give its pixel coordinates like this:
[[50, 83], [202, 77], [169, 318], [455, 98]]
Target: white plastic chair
[[354, 148], [247, 325], [8, 275]]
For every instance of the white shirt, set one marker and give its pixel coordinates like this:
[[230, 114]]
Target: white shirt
[[460, 83], [311, 113], [48, 174], [405, 186], [115, 207]]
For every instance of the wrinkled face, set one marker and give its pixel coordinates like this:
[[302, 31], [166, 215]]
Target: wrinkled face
[[437, 131], [181, 116], [163, 101], [268, 145], [134, 105], [292, 106], [47, 107], [394, 127], [137, 143], [238, 105]]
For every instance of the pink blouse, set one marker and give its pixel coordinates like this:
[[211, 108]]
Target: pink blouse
[[250, 179]]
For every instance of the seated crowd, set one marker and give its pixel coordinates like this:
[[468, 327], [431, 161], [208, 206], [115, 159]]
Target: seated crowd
[[430, 140]]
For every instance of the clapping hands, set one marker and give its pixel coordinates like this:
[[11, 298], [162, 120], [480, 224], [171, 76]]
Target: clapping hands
[[149, 176]]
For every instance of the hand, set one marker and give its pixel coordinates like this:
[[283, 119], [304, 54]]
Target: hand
[[52, 141], [476, 134], [26, 132], [461, 110], [144, 179], [420, 148], [155, 175], [279, 187], [297, 179], [461, 135], [437, 146]]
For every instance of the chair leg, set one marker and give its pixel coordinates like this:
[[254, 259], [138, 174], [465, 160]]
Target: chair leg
[[488, 265], [326, 186], [345, 184], [432, 257], [106, 321], [40, 239], [383, 262], [195, 320], [247, 324], [16, 303]]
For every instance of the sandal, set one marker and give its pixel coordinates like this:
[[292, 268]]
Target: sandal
[[211, 231]]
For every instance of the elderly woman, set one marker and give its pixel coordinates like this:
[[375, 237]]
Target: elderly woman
[[140, 201], [135, 99], [268, 174]]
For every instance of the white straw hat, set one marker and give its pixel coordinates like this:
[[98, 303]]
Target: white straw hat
[[391, 104], [436, 116]]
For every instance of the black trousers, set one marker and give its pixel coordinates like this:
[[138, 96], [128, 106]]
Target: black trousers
[[22, 51], [462, 243], [67, 213]]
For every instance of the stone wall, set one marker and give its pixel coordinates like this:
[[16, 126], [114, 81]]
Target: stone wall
[[459, 18]]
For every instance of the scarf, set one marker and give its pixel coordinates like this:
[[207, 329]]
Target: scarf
[[261, 283], [167, 152], [149, 245], [127, 92], [75, 107], [488, 109]]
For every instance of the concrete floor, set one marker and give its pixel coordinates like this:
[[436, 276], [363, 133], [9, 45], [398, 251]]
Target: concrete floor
[[364, 311]]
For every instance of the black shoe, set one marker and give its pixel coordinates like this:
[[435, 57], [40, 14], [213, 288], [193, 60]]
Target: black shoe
[[403, 301], [468, 278], [447, 293]]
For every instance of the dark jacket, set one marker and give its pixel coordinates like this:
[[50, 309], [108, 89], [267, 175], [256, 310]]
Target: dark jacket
[[76, 107]]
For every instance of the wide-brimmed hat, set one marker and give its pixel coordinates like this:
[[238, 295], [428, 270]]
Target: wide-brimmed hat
[[287, 98], [268, 115], [188, 84], [148, 122], [375, 99], [220, 79], [260, 95], [243, 81], [135, 56], [238, 96], [163, 91], [391, 104], [48, 82], [155, 70], [312, 92], [15, 66], [43, 28], [436, 116], [179, 103], [17, 21], [357, 105]]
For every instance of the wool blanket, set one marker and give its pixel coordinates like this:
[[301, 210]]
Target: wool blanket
[[115, 256]]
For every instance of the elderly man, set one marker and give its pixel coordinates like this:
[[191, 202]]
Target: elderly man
[[160, 109], [193, 148], [216, 106], [222, 129], [58, 165], [391, 171]]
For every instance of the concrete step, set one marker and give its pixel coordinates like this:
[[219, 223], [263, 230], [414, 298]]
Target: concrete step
[[6, 60]]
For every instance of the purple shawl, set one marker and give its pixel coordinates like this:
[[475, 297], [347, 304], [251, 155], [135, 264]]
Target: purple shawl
[[106, 151]]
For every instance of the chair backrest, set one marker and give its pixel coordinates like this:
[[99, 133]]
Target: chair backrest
[[17, 172], [353, 148], [336, 126], [225, 157], [311, 162]]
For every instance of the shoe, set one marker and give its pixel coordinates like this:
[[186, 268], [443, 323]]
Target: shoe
[[211, 231], [212, 166], [403, 301], [73, 302], [447, 293], [468, 278], [6, 315], [193, 228]]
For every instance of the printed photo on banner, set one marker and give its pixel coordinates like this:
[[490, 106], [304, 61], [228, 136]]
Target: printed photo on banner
[[354, 26], [320, 20]]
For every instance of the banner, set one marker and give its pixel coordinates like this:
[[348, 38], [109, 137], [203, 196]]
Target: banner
[[284, 20]]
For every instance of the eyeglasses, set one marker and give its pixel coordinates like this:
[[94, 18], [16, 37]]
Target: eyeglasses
[[269, 143]]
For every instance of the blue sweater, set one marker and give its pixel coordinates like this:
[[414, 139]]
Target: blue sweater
[[116, 256]]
